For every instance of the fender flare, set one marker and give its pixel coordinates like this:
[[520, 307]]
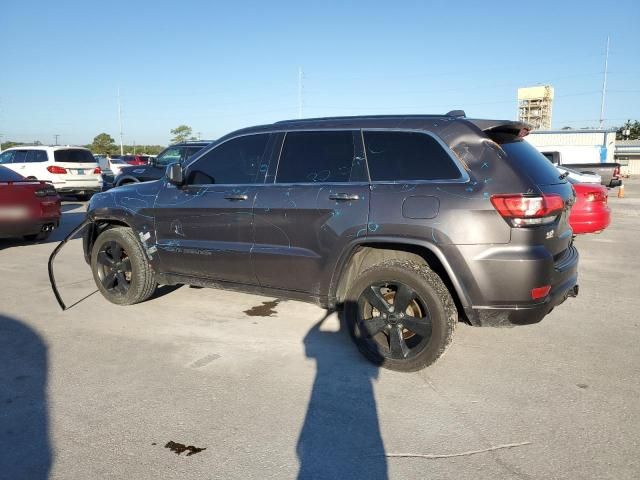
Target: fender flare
[[128, 178], [348, 252]]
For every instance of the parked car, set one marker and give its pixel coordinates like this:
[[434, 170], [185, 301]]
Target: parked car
[[591, 212], [71, 170], [578, 176], [134, 159], [609, 172], [29, 209], [178, 152], [110, 166], [406, 222]]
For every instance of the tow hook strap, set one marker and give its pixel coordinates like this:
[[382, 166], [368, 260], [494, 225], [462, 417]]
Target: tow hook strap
[[52, 257]]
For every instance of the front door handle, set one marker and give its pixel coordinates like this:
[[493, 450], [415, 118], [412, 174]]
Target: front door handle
[[236, 197], [344, 197]]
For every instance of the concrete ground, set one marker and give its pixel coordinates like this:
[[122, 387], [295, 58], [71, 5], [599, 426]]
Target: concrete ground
[[99, 390]]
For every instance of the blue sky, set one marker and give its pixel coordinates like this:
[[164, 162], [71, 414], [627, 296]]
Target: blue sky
[[218, 66]]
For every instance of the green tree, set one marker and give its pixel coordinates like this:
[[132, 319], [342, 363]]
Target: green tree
[[182, 133], [103, 144], [634, 131]]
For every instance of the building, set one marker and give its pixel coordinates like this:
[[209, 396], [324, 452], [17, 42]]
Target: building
[[535, 106], [577, 146], [627, 154]]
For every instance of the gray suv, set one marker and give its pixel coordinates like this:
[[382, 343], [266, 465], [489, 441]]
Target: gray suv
[[407, 223]]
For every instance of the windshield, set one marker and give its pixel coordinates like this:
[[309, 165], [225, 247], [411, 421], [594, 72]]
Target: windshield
[[168, 156]]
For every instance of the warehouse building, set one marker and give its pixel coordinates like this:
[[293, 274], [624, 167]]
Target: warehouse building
[[628, 156], [577, 146]]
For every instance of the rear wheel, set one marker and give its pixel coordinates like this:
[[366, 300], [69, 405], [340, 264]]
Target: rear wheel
[[401, 315], [120, 268]]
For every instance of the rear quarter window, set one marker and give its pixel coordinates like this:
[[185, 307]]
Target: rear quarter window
[[74, 156], [526, 158], [399, 156]]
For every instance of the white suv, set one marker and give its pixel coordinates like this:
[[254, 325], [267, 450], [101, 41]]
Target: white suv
[[71, 170]]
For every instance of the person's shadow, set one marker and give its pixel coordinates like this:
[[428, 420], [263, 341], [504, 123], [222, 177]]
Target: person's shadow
[[25, 452], [340, 437]]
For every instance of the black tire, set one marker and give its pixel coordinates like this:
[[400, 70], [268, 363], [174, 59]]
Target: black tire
[[409, 339], [85, 197], [120, 268], [37, 237]]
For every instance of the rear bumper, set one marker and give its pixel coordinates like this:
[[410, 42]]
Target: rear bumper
[[590, 221], [564, 284], [21, 229]]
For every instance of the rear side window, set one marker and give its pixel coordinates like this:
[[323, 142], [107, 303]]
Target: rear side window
[[36, 156], [309, 157], [524, 157], [74, 156], [398, 156]]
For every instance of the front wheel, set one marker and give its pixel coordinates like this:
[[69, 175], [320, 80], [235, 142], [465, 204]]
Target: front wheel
[[120, 268], [401, 315]]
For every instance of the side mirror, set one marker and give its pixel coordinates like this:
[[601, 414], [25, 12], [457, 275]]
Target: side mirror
[[174, 174]]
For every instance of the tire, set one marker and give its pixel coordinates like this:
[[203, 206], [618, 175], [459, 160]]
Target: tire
[[37, 237], [385, 336], [84, 197], [120, 268]]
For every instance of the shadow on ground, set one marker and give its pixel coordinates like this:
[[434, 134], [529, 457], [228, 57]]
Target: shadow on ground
[[341, 436], [24, 437]]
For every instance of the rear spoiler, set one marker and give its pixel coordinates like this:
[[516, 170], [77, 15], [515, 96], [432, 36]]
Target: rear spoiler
[[508, 127]]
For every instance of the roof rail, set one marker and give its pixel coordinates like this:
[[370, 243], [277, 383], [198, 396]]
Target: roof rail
[[452, 113]]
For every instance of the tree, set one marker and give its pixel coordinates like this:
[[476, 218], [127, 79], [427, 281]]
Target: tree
[[182, 133], [634, 131], [103, 144]]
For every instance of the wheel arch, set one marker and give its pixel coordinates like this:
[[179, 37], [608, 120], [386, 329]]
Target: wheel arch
[[126, 180], [369, 252]]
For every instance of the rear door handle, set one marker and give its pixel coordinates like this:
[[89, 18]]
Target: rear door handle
[[236, 197], [344, 197]]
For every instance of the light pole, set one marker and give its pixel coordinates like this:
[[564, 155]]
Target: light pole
[[56, 137]]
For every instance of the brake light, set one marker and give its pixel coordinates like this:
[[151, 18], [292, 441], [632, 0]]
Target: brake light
[[56, 169], [97, 171], [596, 196], [616, 172], [540, 292], [523, 211]]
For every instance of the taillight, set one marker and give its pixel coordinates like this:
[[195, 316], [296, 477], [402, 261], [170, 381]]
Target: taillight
[[97, 171], [56, 169], [596, 196], [616, 172], [524, 211]]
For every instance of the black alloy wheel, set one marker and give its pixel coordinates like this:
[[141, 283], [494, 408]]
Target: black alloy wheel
[[114, 268], [394, 320]]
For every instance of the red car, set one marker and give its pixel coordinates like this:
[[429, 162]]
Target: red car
[[29, 209], [135, 159], [590, 213]]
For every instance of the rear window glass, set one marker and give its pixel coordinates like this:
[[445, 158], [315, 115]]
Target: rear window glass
[[8, 175], [527, 159], [398, 156], [74, 156]]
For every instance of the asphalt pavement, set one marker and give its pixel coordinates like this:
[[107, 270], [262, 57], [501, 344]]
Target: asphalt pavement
[[275, 389]]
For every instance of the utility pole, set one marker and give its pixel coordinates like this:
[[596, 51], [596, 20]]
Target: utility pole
[[120, 122], [56, 137], [604, 84], [300, 78]]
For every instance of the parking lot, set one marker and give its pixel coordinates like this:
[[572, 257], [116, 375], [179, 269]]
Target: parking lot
[[275, 389]]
